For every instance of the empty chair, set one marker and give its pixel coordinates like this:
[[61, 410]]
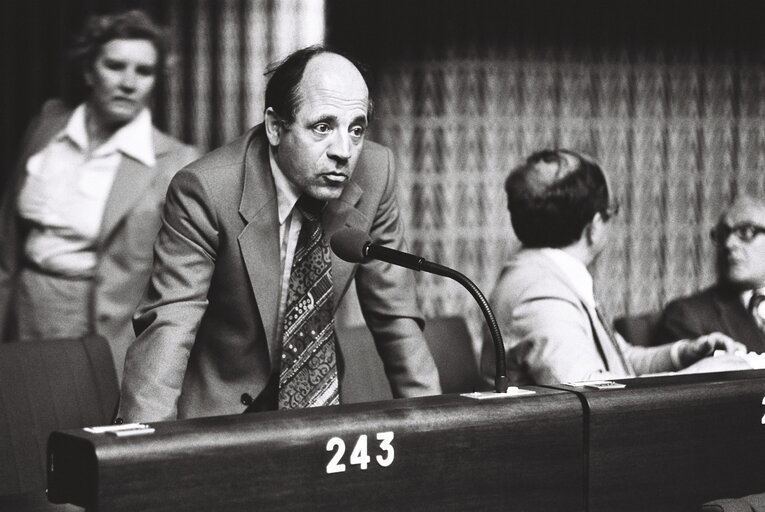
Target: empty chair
[[364, 378], [449, 341], [452, 348], [48, 385], [639, 330]]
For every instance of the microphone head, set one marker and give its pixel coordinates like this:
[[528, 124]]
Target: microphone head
[[349, 244]]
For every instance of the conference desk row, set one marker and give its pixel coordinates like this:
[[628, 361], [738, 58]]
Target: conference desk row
[[662, 443]]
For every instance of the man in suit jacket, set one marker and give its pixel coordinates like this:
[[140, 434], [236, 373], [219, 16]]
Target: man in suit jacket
[[544, 299], [130, 222], [210, 326], [731, 306]]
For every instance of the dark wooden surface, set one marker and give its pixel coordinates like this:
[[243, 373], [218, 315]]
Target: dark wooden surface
[[661, 444], [35, 501], [672, 443], [451, 453]]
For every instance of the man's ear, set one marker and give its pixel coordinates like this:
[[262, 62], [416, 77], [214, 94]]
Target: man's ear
[[594, 230], [274, 126]]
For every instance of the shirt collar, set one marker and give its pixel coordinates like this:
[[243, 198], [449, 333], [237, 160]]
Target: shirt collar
[[75, 129], [134, 139], [575, 271], [286, 193]]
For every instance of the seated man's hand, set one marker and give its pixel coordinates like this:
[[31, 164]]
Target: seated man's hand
[[692, 351]]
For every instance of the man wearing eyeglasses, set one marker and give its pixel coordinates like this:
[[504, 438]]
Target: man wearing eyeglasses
[[736, 304], [544, 299]]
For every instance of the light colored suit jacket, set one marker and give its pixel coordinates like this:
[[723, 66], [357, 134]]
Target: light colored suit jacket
[[130, 224], [550, 332], [207, 326]]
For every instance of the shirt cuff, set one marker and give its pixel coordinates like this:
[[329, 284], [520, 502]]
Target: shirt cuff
[[674, 354]]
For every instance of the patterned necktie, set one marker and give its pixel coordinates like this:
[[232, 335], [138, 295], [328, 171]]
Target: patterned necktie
[[308, 376]]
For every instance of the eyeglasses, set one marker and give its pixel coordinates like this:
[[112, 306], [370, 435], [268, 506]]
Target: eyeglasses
[[611, 210], [746, 231]]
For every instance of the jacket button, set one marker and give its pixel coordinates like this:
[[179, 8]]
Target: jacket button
[[118, 421], [246, 399]]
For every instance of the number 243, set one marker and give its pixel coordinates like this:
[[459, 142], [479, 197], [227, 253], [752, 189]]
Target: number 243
[[360, 455]]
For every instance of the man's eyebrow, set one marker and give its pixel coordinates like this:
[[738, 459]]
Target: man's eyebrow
[[323, 118], [362, 120], [332, 119]]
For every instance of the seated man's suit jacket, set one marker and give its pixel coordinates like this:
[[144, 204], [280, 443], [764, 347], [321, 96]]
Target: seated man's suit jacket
[[207, 326], [717, 308], [549, 331]]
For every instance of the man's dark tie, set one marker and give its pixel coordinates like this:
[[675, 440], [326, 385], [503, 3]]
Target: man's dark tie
[[612, 339], [308, 375]]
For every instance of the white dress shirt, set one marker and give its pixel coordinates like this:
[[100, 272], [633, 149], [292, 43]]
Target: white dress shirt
[[290, 222], [575, 271], [759, 314], [66, 189]]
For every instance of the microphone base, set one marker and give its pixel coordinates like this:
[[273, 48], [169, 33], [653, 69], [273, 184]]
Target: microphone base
[[512, 391]]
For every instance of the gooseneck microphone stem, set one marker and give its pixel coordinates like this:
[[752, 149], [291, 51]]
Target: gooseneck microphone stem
[[413, 262], [500, 378]]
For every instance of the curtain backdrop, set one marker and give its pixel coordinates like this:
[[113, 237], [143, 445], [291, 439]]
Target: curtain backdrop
[[670, 101], [669, 96], [215, 91]]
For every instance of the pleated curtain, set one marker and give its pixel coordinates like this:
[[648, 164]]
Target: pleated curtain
[[678, 130]]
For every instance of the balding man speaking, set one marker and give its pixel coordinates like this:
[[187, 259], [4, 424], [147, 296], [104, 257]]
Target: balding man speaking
[[239, 313]]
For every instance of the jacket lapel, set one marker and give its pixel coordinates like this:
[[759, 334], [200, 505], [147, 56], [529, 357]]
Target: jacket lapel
[[338, 215], [736, 319], [130, 183], [259, 240]]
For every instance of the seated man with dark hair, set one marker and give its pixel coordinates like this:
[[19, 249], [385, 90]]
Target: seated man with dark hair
[[735, 305], [544, 299]]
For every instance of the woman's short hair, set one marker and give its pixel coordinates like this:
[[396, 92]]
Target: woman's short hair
[[100, 29]]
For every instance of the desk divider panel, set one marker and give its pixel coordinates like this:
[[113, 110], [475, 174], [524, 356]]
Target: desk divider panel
[[434, 453], [671, 443]]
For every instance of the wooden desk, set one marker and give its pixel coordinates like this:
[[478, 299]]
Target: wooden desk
[[673, 443], [450, 453], [36, 501]]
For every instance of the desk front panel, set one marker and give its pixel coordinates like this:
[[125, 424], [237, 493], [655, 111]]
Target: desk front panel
[[436, 453]]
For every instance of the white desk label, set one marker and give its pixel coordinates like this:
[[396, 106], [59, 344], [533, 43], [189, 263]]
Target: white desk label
[[360, 454]]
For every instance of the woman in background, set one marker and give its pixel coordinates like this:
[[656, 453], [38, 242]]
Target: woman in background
[[78, 222]]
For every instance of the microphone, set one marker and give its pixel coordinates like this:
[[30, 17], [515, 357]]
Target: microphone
[[353, 245]]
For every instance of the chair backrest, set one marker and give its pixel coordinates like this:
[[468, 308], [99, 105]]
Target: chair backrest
[[48, 385], [364, 378], [448, 339], [638, 330], [451, 345]]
